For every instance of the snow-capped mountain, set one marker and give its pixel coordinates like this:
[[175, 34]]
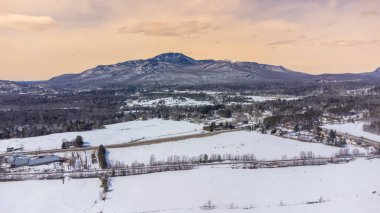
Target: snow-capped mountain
[[178, 69]]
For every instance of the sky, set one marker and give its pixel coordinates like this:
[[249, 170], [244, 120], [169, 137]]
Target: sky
[[41, 39]]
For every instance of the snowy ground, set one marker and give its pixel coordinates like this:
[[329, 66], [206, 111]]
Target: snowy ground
[[50, 196], [116, 133], [271, 98], [350, 188], [250, 99], [353, 129], [169, 101], [264, 146], [346, 187]]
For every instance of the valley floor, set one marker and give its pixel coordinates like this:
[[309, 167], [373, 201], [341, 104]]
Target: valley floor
[[351, 188], [263, 146], [112, 134]]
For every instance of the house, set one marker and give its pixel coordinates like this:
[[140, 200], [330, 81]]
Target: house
[[15, 149], [77, 142], [68, 144]]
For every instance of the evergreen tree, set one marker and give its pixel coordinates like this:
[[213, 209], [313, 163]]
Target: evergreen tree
[[332, 136], [205, 158], [296, 128], [102, 157], [79, 141]]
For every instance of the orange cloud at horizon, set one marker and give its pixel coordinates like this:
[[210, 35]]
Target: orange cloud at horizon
[[46, 38]]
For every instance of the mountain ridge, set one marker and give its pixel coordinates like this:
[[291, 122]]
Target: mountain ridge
[[177, 69]]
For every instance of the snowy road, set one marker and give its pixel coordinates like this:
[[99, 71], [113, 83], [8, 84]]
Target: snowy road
[[360, 139]]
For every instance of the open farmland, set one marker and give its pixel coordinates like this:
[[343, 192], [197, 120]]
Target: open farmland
[[111, 134], [349, 187], [263, 146]]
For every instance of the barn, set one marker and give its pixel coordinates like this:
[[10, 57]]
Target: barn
[[44, 160], [20, 160]]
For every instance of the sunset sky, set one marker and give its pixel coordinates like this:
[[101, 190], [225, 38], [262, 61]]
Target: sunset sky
[[40, 39]]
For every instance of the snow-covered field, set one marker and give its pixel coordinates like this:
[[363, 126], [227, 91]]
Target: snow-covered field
[[50, 196], [169, 101], [349, 188], [353, 129], [352, 187], [346, 187], [270, 98], [250, 99], [112, 134], [264, 146]]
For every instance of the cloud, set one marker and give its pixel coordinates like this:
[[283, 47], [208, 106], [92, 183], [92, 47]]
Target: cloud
[[332, 4], [275, 25], [283, 42], [301, 37], [182, 29], [350, 43], [369, 14], [19, 21]]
